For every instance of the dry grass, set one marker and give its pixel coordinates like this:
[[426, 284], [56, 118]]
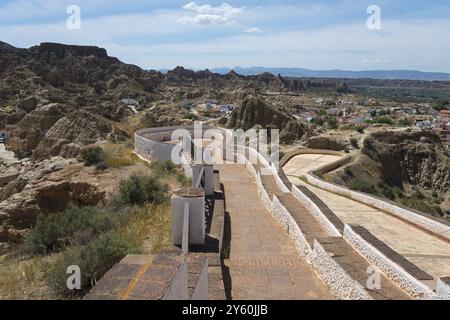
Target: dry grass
[[119, 155], [149, 225], [24, 280]]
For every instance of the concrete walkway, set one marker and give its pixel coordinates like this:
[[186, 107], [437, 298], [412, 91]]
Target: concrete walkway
[[421, 248], [263, 262]]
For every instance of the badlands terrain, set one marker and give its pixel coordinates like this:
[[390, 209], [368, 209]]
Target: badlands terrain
[[72, 111]]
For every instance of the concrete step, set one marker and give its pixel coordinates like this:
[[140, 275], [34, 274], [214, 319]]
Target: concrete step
[[309, 226], [359, 269]]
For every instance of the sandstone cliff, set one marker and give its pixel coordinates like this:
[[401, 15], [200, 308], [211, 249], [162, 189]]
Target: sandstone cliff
[[416, 158], [411, 168]]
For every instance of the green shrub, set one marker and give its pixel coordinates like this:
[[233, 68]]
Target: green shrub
[[140, 189], [332, 123], [363, 186], [404, 123], [163, 167], [398, 192], [388, 193], [103, 253], [56, 273], [184, 180], [384, 120], [418, 205], [348, 171], [354, 143], [319, 121], [348, 127], [94, 156], [74, 225], [190, 116], [94, 260]]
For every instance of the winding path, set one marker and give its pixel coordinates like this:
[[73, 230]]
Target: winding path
[[428, 252]]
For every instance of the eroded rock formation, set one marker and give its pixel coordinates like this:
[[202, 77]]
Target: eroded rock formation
[[46, 187], [255, 112], [416, 158]]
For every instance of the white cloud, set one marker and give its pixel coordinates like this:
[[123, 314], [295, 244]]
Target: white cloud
[[253, 30], [209, 15], [224, 9], [207, 19], [376, 61]]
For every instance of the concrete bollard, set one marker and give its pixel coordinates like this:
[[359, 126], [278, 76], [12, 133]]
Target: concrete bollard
[[196, 199], [208, 175]]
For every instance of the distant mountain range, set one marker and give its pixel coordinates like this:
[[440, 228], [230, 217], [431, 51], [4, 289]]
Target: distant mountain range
[[372, 74]]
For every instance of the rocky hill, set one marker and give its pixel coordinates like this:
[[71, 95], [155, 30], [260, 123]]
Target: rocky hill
[[45, 88]]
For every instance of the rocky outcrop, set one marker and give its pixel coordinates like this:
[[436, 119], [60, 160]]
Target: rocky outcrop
[[255, 112], [416, 158], [409, 167], [46, 187], [68, 136], [33, 127], [326, 143]]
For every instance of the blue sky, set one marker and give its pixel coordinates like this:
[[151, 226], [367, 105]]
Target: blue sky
[[319, 34]]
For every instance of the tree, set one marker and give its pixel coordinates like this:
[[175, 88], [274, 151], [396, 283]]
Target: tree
[[332, 123]]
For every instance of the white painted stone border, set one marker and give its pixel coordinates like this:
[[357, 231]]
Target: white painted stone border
[[412, 217], [316, 212], [338, 280], [393, 271], [443, 290]]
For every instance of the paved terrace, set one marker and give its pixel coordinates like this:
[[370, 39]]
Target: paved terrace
[[263, 262], [428, 252]]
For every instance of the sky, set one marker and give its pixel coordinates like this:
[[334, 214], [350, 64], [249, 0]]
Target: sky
[[314, 34]]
